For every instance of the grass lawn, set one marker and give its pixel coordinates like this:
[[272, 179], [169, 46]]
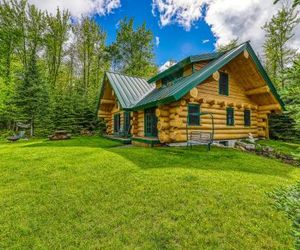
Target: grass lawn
[[88, 193]]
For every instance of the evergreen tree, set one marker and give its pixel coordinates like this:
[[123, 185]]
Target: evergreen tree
[[32, 97]]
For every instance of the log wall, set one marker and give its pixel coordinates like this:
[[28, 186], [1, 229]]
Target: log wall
[[137, 124], [172, 118]]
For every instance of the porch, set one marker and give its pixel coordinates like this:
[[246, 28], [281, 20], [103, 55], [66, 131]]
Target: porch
[[146, 141], [123, 140]]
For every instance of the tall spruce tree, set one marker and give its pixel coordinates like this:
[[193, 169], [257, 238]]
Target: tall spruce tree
[[32, 96]]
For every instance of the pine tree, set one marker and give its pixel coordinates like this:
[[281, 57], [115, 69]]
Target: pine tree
[[32, 97]]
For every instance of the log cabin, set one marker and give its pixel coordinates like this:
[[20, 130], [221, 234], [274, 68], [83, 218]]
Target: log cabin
[[233, 86]]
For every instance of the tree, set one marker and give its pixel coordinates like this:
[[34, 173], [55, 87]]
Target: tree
[[232, 44], [57, 28], [291, 94], [92, 53], [276, 51], [295, 3], [32, 96], [132, 53]]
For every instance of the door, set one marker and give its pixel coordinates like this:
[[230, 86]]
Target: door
[[150, 123], [127, 123], [117, 123]]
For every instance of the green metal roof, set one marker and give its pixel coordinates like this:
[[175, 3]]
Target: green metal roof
[[182, 86], [135, 93], [183, 63], [128, 89]]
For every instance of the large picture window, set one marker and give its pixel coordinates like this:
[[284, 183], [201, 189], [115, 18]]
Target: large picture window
[[230, 117], [247, 117], [194, 114], [223, 84]]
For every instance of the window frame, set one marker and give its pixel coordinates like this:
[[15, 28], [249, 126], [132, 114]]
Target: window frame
[[247, 123], [197, 114], [227, 86], [150, 123], [227, 115]]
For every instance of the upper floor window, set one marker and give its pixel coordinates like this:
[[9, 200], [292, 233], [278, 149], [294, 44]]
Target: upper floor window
[[247, 117], [194, 114], [230, 117], [168, 79], [223, 84]]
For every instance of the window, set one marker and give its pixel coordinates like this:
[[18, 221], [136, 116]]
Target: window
[[230, 117], [117, 123], [168, 79], [194, 114], [223, 84], [247, 117], [150, 122]]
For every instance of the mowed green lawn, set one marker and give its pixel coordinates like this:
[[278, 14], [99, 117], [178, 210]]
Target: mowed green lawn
[[88, 193]]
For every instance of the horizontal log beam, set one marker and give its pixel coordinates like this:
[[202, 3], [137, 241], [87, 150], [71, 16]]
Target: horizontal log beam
[[269, 107], [258, 91], [107, 101]]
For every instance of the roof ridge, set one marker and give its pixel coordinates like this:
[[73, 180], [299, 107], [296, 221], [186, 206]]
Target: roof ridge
[[119, 73], [238, 45]]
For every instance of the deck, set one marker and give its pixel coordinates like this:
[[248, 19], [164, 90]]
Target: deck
[[119, 139]]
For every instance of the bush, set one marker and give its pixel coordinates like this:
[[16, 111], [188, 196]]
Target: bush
[[288, 201], [5, 133]]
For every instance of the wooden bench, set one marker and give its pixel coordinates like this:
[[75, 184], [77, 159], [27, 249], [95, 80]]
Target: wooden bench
[[60, 135], [199, 138], [16, 137]]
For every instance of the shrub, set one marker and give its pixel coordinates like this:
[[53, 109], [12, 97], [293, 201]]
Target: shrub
[[288, 201]]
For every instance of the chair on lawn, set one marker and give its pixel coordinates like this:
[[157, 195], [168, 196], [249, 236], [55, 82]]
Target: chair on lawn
[[16, 137], [200, 138]]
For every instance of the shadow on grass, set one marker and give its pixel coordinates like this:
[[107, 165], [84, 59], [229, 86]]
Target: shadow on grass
[[199, 158], [89, 142]]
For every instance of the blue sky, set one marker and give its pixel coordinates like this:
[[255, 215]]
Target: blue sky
[[181, 25], [175, 42]]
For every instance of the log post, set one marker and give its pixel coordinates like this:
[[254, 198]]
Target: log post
[[216, 76]]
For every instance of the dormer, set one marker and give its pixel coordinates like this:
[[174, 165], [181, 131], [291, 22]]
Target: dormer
[[183, 68]]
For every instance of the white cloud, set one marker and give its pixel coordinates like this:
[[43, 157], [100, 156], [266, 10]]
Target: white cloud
[[157, 41], [79, 7], [205, 41], [229, 19], [167, 65], [183, 12]]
